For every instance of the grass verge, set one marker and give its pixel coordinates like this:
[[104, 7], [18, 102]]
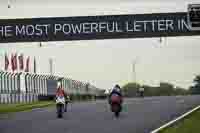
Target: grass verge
[[10, 108], [190, 124]]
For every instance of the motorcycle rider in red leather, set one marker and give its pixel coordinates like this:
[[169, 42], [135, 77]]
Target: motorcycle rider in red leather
[[60, 92]]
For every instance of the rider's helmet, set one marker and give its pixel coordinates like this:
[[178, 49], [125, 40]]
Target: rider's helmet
[[117, 88], [59, 83]]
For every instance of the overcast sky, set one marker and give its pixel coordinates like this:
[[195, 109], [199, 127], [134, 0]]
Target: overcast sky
[[107, 62]]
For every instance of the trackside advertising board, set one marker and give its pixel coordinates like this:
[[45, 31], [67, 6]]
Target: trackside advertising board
[[95, 27]]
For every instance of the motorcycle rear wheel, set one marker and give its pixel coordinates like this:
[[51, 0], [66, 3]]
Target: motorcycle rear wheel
[[59, 111], [116, 114]]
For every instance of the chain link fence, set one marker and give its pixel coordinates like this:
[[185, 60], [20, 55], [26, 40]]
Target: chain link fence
[[27, 88]]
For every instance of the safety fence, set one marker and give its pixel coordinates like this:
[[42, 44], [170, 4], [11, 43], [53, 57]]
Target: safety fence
[[27, 87]]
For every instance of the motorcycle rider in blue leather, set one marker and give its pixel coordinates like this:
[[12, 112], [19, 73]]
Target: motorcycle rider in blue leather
[[116, 90]]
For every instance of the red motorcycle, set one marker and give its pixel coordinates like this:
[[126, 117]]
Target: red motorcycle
[[115, 102]]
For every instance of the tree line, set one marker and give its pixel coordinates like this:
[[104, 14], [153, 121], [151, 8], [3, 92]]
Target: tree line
[[164, 89]]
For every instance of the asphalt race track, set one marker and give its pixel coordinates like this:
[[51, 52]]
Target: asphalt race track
[[140, 115]]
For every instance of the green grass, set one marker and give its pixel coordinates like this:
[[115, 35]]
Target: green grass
[[190, 124], [10, 108]]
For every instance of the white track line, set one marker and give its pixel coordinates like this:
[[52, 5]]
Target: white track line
[[175, 120], [36, 109]]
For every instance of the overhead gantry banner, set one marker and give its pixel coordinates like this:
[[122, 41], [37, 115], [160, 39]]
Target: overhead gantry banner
[[95, 27]]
